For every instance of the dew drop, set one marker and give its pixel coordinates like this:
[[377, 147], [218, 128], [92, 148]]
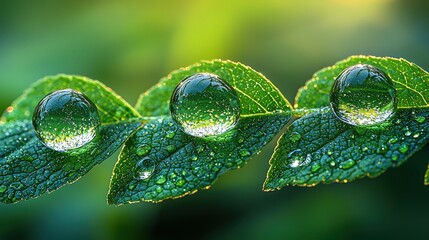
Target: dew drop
[[204, 105], [315, 167], [295, 136], [363, 95], [65, 120], [143, 150], [416, 135], [403, 148], [245, 153], [171, 148], [395, 158], [161, 180], [382, 149], [180, 182], [420, 119], [393, 140], [296, 158], [170, 134], [407, 133], [145, 168], [347, 164]]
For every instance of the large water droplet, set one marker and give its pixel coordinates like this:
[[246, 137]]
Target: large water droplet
[[296, 158], [204, 105], [65, 120], [145, 168], [363, 95]]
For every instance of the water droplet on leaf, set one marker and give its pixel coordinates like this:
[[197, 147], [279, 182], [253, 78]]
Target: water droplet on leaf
[[161, 180], [245, 153], [171, 148], [145, 168], [295, 136], [403, 148], [363, 95], [65, 120], [393, 140], [420, 119], [407, 133], [315, 167], [170, 134], [143, 150], [347, 164], [204, 105], [296, 158]]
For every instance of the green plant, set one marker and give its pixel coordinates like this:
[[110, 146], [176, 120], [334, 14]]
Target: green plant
[[159, 161]]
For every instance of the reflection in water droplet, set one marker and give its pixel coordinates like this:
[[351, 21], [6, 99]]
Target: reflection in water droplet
[[363, 95], [66, 120], [204, 105], [347, 164], [145, 168], [416, 135], [407, 133]]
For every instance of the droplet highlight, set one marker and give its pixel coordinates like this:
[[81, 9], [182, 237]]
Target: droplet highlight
[[363, 95], [204, 105], [65, 120]]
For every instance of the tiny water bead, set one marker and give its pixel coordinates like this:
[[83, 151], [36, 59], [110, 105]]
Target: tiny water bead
[[363, 95], [65, 120], [204, 105]]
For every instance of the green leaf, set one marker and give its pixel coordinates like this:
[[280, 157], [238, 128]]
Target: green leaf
[[28, 168], [185, 164], [331, 135], [256, 93], [329, 150], [411, 82]]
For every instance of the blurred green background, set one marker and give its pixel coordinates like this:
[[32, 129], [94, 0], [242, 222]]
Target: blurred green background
[[130, 45]]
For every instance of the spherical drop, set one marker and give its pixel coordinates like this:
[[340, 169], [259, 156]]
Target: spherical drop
[[204, 105], [363, 95], [65, 120]]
